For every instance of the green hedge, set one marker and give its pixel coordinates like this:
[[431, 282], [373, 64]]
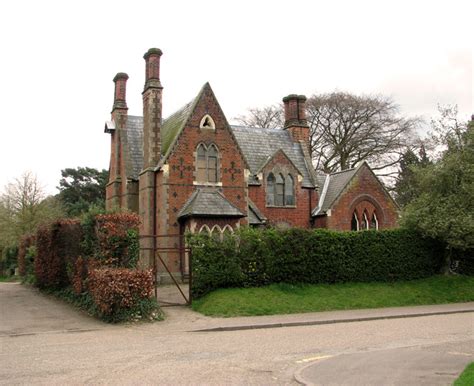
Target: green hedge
[[254, 257]]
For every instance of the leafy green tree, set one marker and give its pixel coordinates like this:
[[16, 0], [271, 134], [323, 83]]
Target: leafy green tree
[[444, 210], [407, 187], [82, 187]]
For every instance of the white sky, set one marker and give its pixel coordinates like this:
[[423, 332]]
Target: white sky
[[58, 59]]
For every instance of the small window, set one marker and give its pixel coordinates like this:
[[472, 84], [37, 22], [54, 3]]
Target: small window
[[354, 222], [271, 189], [201, 174], [279, 190], [207, 123], [289, 190], [374, 223]]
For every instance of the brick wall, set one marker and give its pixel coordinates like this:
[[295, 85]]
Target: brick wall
[[363, 193], [298, 215]]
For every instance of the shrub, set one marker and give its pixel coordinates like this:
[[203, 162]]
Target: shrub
[[9, 260], [58, 246], [214, 264], [122, 294], [258, 257], [117, 239]]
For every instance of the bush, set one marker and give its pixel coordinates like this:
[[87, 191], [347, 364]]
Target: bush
[[58, 247], [214, 264], [112, 239], [258, 257], [8, 260], [26, 255], [122, 294]]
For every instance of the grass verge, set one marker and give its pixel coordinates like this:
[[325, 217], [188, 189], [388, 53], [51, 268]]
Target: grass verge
[[8, 279], [289, 299], [467, 376]]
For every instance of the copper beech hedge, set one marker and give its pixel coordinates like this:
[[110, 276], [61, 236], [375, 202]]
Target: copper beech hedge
[[116, 289]]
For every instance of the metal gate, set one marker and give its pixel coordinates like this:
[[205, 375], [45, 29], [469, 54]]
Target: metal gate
[[164, 248]]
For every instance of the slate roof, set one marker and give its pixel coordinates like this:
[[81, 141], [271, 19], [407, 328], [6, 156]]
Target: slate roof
[[209, 203], [331, 186], [255, 216], [133, 141], [258, 145]]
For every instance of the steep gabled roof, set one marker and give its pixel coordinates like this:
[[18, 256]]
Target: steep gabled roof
[[209, 203], [332, 186], [174, 124], [258, 145], [132, 139]]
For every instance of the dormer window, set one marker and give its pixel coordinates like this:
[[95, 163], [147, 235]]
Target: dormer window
[[207, 123]]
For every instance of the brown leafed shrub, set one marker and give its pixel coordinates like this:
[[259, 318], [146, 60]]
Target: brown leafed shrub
[[115, 290], [115, 233], [58, 246]]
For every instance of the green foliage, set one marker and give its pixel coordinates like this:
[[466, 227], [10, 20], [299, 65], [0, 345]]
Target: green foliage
[[214, 263], [81, 188], [467, 376], [254, 257], [445, 208], [285, 298], [8, 260], [23, 207], [407, 186]]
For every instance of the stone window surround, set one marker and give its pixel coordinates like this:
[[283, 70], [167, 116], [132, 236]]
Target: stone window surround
[[284, 173], [218, 183]]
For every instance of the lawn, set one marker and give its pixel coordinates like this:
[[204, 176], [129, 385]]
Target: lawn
[[467, 376], [288, 299], [5, 279]]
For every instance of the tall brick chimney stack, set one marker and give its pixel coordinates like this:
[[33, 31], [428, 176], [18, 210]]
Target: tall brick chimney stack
[[295, 118], [120, 101], [152, 109]]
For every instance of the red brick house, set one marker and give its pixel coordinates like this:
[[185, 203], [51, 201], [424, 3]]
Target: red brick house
[[194, 171]]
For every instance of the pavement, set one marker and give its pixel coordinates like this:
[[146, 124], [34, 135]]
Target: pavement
[[44, 341]]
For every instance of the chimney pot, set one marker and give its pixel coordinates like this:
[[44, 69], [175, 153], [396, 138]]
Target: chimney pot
[[152, 69], [120, 93]]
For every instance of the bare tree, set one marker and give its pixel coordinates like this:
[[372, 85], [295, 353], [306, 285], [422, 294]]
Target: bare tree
[[347, 129], [270, 117], [23, 206]]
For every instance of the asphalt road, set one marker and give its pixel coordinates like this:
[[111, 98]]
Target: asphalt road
[[45, 342]]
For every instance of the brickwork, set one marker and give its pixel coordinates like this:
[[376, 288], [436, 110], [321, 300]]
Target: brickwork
[[364, 193], [298, 215], [166, 184]]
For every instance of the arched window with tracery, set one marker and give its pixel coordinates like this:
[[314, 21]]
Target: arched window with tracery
[[205, 229], [289, 190], [271, 189], [354, 222], [279, 190], [207, 163], [365, 221], [374, 222]]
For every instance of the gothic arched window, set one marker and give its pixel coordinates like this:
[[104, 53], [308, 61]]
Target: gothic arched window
[[354, 222], [207, 163], [279, 190], [271, 189], [374, 223], [365, 222], [289, 190]]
